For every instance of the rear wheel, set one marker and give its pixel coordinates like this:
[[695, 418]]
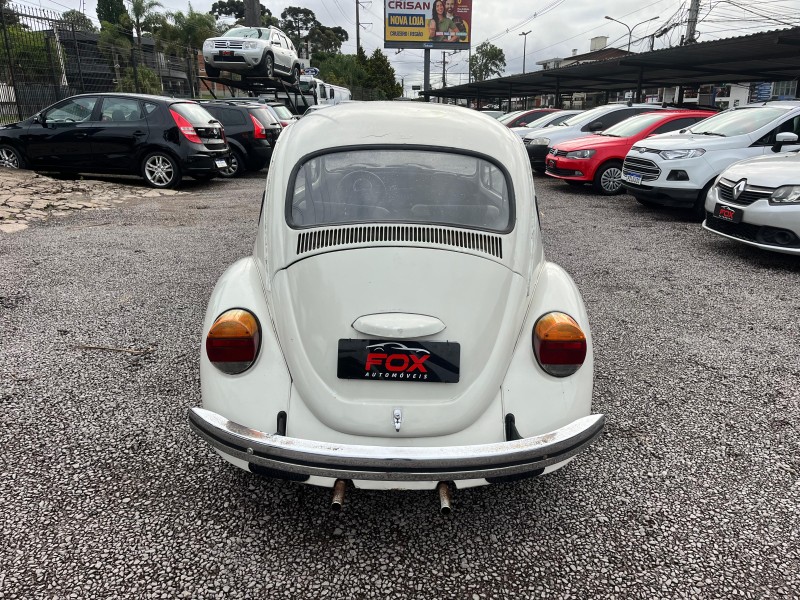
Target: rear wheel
[[11, 158], [236, 166], [212, 71], [161, 171], [608, 179]]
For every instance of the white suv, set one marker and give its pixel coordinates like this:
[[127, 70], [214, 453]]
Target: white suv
[[252, 51], [678, 169]]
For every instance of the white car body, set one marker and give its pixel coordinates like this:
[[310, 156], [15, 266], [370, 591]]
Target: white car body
[[401, 268], [741, 205], [548, 120], [653, 178], [252, 51]]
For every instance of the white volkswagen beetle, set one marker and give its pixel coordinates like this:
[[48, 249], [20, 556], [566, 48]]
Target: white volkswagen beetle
[[397, 325]]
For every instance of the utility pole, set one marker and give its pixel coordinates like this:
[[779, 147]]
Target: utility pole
[[444, 71], [524, 35], [358, 27], [691, 27], [252, 13]]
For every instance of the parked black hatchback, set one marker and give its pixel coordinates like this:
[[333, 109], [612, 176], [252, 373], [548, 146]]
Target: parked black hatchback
[[160, 139], [251, 131]]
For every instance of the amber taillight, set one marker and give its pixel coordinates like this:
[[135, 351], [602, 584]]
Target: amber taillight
[[187, 129], [233, 341], [559, 344]]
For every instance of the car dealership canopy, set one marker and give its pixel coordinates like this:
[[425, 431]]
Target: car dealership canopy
[[766, 56]]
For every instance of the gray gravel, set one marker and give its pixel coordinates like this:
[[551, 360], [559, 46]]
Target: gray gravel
[[693, 491]]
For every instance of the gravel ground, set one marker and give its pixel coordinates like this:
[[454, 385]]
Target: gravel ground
[[692, 492]]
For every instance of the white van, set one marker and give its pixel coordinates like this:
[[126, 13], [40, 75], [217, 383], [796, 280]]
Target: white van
[[678, 169], [324, 93]]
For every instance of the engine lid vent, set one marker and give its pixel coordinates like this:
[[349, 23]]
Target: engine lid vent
[[310, 241]]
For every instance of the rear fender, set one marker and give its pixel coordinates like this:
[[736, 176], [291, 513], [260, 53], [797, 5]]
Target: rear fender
[[253, 398], [538, 401]]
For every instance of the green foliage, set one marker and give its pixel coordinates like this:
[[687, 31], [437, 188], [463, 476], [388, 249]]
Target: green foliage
[[487, 61], [114, 44], [79, 21], [144, 17], [326, 39], [149, 81], [374, 73], [297, 22], [111, 11], [381, 75], [9, 15], [234, 9], [29, 54]]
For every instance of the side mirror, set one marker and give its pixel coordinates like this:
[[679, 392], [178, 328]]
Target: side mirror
[[39, 118], [785, 137], [596, 126]]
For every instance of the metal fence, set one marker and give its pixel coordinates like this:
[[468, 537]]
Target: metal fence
[[43, 59]]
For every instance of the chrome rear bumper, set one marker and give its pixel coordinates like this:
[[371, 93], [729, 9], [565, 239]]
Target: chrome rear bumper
[[390, 463]]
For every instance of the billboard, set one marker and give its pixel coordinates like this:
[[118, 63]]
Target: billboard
[[415, 24]]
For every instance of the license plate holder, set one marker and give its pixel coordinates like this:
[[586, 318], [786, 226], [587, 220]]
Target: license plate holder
[[405, 360], [221, 163], [632, 178], [226, 52], [727, 213]]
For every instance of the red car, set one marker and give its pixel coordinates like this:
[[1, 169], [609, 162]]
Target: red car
[[597, 158], [520, 118]]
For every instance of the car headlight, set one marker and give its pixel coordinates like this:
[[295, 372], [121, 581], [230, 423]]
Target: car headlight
[[581, 154], [673, 154], [208, 45], [537, 141], [786, 194], [249, 45]]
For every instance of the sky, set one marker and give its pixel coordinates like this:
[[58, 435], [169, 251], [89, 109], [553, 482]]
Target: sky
[[557, 27]]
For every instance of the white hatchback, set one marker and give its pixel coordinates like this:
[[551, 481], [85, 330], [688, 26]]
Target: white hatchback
[[397, 325]]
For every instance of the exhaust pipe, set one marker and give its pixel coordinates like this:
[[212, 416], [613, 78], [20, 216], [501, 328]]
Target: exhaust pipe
[[444, 498], [337, 500]]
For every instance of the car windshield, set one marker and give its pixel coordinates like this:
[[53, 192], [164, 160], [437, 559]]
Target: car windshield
[[247, 32], [738, 121], [409, 186], [509, 116], [588, 116], [633, 125], [282, 112]]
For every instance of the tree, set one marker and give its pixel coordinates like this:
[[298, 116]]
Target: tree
[[183, 35], [326, 39], [111, 11], [381, 75], [487, 61], [144, 17], [234, 9], [149, 81], [115, 45], [79, 21], [297, 23], [9, 15]]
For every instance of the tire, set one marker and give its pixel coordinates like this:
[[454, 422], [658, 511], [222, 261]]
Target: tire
[[608, 179], [212, 71], [268, 66], [699, 208], [236, 166], [161, 171], [11, 158], [296, 75]]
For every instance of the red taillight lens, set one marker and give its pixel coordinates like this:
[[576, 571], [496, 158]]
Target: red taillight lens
[[232, 342], [284, 123], [259, 131], [186, 128], [559, 344]]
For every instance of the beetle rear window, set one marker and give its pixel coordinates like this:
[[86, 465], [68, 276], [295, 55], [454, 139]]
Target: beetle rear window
[[417, 186]]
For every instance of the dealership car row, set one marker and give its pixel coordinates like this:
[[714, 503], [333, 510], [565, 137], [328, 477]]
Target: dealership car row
[[661, 155]]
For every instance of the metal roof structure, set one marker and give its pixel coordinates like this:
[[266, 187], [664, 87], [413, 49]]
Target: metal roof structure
[[766, 56]]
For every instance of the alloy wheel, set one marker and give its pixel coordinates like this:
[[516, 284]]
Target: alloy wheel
[[9, 158], [159, 170], [233, 166]]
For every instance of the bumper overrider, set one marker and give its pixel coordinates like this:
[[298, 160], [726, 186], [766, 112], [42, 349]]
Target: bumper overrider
[[382, 463]]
